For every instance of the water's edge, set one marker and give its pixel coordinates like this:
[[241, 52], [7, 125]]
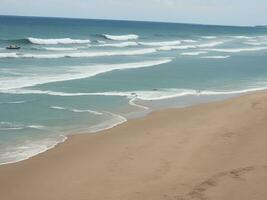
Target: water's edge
[[131, 116]]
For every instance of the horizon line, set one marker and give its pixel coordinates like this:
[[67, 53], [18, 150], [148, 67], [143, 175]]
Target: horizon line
[[130, 20]]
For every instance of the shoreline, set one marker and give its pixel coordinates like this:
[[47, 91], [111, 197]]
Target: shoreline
[[128, 117], [182, 153]]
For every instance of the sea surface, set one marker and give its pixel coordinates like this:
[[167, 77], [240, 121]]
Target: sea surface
[[81, 76]]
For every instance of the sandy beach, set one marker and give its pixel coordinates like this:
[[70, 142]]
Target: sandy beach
[[210, 151]]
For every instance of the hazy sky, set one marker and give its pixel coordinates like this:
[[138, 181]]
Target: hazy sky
[[233, 12]]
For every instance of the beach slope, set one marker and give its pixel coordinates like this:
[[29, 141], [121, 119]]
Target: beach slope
[[210, 151]]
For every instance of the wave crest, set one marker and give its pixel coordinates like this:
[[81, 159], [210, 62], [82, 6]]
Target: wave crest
[[57, 41], [121, 37]]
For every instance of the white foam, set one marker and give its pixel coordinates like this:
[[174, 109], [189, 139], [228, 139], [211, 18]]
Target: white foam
[[101, 42], [57, 107], [60, 49], [4, 126], [77, 110], [152, 95], [169, 48], [189, 41], [162, 43], [121, 37], [237, 50], [78, 72], [114, 121], [28, 149], [215, 57], [13, 102], [193, 53], [242, 37], [255, 43], [181, 47], [80, 54], [211, 44], [122, 44], [132, 102], [57, 41], [209, 37], [8, 55]]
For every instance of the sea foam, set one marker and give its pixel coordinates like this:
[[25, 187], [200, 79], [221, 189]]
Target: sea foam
[[193, 53], [149, 95], [237, 50], [121, 37], [80, 54], [163, 43], [122, 44], [77, 110]]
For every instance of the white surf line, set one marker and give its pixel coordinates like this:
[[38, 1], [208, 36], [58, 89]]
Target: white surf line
[[132, 103], [121, 37], [77, 110], [196, 53], [108, 124], [216, 57]]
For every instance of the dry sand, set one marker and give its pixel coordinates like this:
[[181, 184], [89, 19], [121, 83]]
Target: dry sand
[[211, 151]]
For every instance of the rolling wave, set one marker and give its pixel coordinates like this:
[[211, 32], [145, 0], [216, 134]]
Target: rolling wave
[[78, 72], [56, 41], [121, 37]]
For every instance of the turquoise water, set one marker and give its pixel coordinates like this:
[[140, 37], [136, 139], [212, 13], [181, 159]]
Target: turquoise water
[[74, 76]]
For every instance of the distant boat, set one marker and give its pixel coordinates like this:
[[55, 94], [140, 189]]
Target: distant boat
[[13, 47]]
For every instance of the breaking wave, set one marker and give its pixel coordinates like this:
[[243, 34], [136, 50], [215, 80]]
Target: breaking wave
[[121, 37], [57, 41]]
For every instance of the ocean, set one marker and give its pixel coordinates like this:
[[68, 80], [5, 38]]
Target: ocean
[[82, 76]]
